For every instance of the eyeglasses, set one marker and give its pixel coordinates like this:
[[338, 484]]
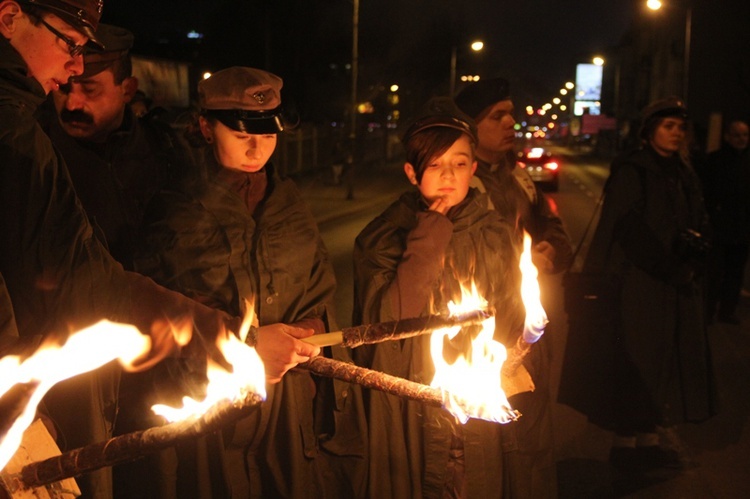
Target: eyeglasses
[[73, 48]]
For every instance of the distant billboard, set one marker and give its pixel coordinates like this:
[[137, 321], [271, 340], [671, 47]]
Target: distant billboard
[[582, 107], [588, 82]]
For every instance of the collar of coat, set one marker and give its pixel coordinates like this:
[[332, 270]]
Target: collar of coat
[[17, 86]]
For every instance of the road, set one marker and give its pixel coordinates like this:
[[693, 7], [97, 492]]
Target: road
[[719, 447]]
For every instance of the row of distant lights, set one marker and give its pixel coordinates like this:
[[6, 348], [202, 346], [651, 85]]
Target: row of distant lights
[[556, 101], [599, 61]]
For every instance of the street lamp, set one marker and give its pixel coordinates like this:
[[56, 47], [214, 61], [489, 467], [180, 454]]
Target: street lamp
[[656, 5], [476, 46]]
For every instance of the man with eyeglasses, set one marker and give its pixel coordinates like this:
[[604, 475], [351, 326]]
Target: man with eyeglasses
[[58, 275]]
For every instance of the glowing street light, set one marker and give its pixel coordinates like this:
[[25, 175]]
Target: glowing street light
[[476, 46], [598, 60]]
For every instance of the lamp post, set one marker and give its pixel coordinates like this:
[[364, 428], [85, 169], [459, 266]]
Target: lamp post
[[656, 5], [353, 117], [476, 46]]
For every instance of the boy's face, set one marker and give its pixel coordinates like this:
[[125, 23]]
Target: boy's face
[[447, 176], [45, 53]]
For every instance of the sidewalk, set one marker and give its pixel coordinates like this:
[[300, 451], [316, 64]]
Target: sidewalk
[[372, 185]]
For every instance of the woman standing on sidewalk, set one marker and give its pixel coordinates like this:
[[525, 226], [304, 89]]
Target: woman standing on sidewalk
[[239, 237], [650, 237]]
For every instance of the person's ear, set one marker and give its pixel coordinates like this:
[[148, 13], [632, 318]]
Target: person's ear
[[129, 87], [410, 174], [206, 129], [10, 12], [473, 167]]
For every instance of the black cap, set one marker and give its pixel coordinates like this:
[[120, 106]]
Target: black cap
[[117, 44], [480, 95], [441, 112], [83, 15]]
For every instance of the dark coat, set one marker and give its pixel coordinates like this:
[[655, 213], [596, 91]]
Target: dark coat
[[116, 179], [518, 199], [658, 325], [530, 469], [408, 262], [726, 188], [203, 241], [58, 275], [8, 329]]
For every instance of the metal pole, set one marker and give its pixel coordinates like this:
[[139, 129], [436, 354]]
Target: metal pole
[[355, 69], [453, 71], [618, 64], [686, 61], [353, 118]]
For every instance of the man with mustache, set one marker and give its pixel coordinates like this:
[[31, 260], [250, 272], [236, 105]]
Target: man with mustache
[[116, 160], [58, 276]]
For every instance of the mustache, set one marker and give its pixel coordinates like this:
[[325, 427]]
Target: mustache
[[76, 115]]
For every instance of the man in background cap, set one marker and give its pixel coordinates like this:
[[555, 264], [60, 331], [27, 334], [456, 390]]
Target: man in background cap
[[529, 463], [510, 188], [58, 275], [117, 162]]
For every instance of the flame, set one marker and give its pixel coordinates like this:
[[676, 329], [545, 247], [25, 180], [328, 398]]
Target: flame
[[536, 317], [471, 385], [84, 351], [248, 375]]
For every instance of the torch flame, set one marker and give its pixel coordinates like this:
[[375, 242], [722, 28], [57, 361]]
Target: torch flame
[[84, 351], [471, 385], [536, 317], [247, 375]]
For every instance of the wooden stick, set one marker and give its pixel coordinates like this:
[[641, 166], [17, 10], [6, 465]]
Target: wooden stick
[[131, 446], [368, 334], [376, 380], [516, 354]]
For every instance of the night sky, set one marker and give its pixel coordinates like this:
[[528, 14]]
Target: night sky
[[534, 43]]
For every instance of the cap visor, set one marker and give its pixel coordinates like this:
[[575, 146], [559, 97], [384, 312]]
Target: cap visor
[[271, 124]]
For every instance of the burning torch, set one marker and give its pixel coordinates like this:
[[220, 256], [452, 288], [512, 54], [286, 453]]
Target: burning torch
[[516, 379]]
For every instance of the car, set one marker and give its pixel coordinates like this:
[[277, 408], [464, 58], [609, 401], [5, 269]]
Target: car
[[542, 166]]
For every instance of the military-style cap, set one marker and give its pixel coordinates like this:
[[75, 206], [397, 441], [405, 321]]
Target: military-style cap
[[441, 112], [480, 95], [245, 99], [117, 43], [82, 15], [671, 106]]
